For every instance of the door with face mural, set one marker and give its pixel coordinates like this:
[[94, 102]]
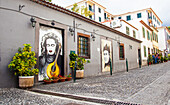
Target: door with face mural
[[106, 54], [50, 54]]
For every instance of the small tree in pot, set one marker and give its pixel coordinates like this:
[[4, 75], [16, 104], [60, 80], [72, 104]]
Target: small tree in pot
[[23, 65], [80, 64]]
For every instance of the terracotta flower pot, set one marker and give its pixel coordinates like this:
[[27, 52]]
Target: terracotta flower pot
[[47, 81], [55, 80], [149, 63], [62, 79], [79, 73], [68, 78], [26, 81]]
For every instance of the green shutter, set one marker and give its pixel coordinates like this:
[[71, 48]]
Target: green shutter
[[145, 51], [143, 32]]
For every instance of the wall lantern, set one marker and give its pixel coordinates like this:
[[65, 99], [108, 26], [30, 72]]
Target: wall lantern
[[33, 21], [93, 37], [52, 23], [71, 31], [130, 46]]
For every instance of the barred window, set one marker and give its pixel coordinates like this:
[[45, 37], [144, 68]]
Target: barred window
[[83, 45], [121, 51]]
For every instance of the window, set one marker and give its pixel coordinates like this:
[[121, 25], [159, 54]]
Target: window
[[128, 17], [83, 45], [144, 51], [151, 36], [105, 16], [143, 32], [139, 15], [90, 7], [127, 30], [90, 16], [148, 50], [134, 34], [121, 52], [120, 17], [100, 19], [148, 36], [99, 10]]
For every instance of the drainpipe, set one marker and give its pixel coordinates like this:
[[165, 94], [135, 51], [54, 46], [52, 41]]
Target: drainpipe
[[110, 66], [126, 65], [74, 78]]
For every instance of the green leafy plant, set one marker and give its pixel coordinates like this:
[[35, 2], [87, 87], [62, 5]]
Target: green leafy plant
[[24, 61], [80, 61], [162, 59], [169, 56], [150, 58], [69, 75], [165, 59], [73, 56]]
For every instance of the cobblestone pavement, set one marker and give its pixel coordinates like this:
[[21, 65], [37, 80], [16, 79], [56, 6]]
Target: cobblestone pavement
[[147, 85], [13, 96], [119, 86]]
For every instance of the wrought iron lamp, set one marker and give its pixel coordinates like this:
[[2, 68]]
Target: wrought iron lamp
[[33, 21]]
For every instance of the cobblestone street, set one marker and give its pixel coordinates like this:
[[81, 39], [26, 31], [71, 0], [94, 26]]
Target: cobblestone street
[[147, 85]]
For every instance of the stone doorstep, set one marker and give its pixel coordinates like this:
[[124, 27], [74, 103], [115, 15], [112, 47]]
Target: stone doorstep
[[83, 98]]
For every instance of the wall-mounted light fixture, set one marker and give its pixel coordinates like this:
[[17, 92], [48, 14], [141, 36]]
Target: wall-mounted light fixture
[[77, 25], [71, 31], [130, 46], [93, 36], [53, 22], [33, 22], [20, 7]]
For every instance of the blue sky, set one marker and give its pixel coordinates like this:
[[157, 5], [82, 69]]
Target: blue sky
[[161, 7]]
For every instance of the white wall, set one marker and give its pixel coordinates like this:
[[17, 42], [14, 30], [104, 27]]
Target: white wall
[[161, 39]]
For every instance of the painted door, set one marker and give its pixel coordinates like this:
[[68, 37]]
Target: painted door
[[106, 54], [51, 59]]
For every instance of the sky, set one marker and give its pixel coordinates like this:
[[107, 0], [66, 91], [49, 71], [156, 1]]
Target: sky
[[160, 7]]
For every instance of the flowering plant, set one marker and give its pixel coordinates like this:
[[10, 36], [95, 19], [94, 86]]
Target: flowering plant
[[61, 77], [80, 61], [23, 62], [69, 75]]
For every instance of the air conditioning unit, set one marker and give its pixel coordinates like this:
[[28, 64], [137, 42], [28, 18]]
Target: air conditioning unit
[[116, 23]]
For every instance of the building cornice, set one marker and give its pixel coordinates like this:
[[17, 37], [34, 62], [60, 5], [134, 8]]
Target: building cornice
[[148, 27]]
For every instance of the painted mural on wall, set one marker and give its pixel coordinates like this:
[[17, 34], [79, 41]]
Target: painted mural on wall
[[106, 52], [50, 52]]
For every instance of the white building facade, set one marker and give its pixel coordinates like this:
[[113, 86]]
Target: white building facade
[[97, 11]]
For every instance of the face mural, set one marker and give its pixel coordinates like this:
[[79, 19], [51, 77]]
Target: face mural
[[106, 55], [51, 46], [50, 52]]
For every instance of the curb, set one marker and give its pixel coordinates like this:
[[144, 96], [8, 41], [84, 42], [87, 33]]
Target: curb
[[81, 98]]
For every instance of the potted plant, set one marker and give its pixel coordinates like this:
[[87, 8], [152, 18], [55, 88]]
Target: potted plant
[[80, 64], [47, 80], [150, 59], [165, 59], [23, 64], [162, 59], [168, 56], [55, 79], [68, 78], [62, 78]]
